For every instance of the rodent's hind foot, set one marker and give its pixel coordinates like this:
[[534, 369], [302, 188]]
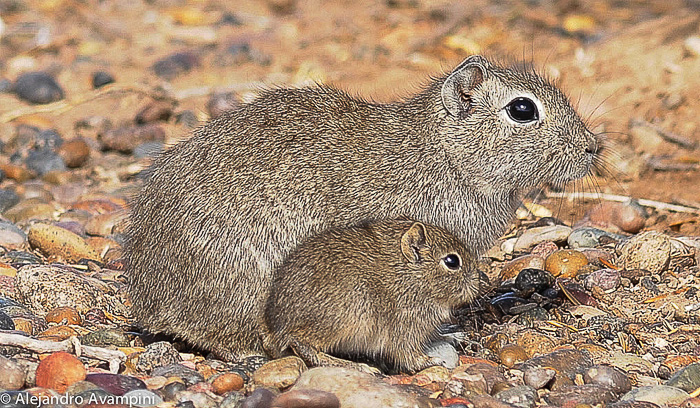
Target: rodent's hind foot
[[315, 358]]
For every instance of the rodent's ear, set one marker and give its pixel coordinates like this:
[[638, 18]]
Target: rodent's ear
[[458, 87], [413, 241]]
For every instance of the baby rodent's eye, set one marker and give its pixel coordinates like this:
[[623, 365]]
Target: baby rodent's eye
[[452, 261], [522, 110]]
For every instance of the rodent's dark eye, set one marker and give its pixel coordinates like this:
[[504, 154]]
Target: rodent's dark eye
[[452, 261], [522, 110]]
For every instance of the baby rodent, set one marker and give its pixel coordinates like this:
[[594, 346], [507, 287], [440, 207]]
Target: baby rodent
[[219, 211], [378, 290]]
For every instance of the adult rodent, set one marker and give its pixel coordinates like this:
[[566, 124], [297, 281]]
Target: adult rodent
[[219, 211], [378, 290]]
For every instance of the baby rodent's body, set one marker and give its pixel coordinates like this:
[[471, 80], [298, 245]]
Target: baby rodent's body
[[379, 290], [221, 210]]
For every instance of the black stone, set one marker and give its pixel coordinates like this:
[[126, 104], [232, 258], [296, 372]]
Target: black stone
[[101, 78], [38, 88], [532, 280], [176, 64]]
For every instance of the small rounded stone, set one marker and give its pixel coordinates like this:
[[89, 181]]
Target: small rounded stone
[[565, 263], [101, 78], [605, 279], [116, 384], [306, 399], [533, 280], [59, 370], [259, 398], [279, 373], [74, 153], [56, 241], [227, 382], [538, 377], [64, 314], [38, 88], [511, 354], [607, 376], [513, 268], [12, 375]]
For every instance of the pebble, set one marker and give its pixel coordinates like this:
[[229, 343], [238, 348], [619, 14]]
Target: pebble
[[125, 139], [11, 235], [650, 251], [43, 161], [585, 237], [170, 391], [32, 209], [355, 389], [581, 395], [532, 280], [59, 242], [522, 396], [188, 375], [566, 362], [259, 398], [58, 333], [176, 64], [605, 279], [12, 375], [15, 172], [59, 370], [306, 399], [8, 199], [114, 383], [534, 236], [513, 268], [104, 337], [64, 315], [6, 322], [38, 88], [45, 287], [160, 354], [512, 354], [220, 103], [101, 78], [75, 153], [227, 382], [156, 111], [143, 398], [662, 395], [195, 399], [544, 249], [565, 263], [443, 352], [630, 362], [607, 376], [103, 224], [487, 372], [629, 217], [280, 373], [538, 377], [687, 378]]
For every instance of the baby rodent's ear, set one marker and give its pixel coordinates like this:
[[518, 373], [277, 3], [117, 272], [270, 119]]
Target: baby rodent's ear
[[457, 88], [413, 241]]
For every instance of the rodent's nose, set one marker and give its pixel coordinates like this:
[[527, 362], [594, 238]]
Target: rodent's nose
[[592, 147]]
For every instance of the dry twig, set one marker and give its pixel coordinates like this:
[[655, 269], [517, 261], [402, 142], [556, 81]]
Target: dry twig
[[71, 345]]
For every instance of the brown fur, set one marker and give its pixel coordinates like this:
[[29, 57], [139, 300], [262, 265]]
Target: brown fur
[[357, 291], [221, 210]]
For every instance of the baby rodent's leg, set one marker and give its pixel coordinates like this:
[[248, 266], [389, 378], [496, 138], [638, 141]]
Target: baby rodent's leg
[[315, 358]]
